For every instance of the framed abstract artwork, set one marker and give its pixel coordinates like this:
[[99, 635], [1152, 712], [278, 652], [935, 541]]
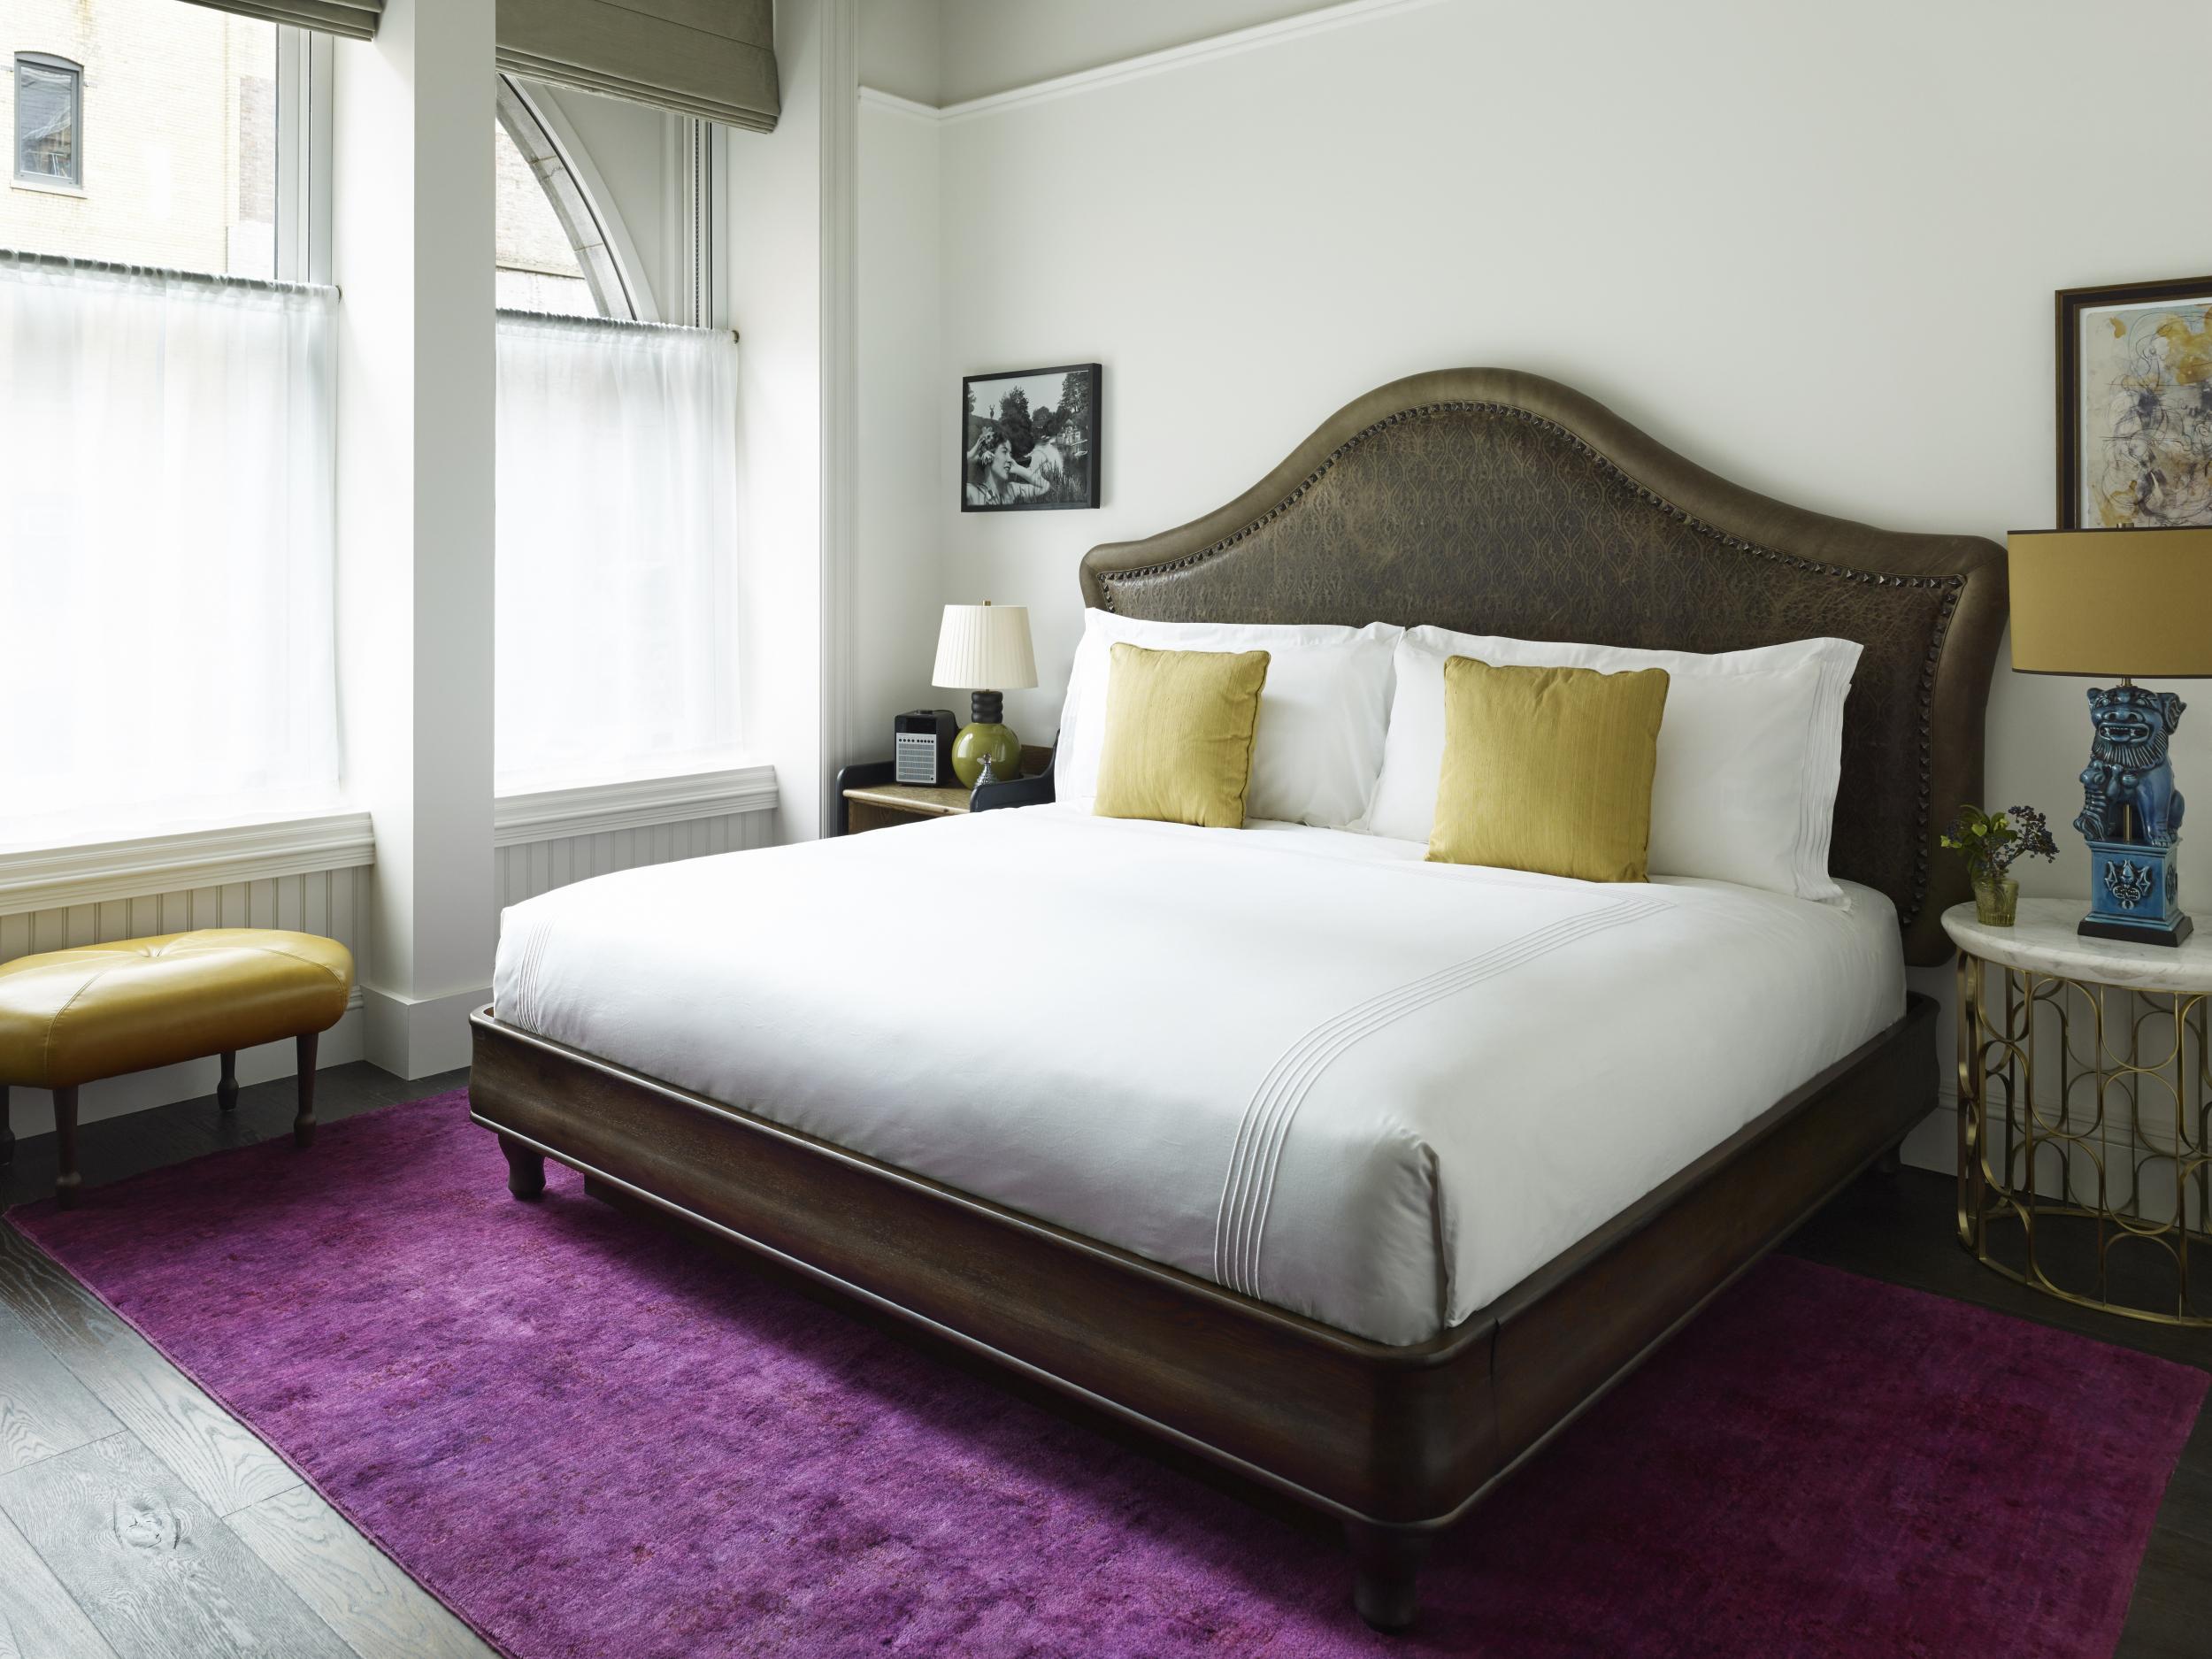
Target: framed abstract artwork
[[2135, 405], [1030, 440]]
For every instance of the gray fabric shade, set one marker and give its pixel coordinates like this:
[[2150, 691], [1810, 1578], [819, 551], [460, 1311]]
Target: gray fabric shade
[[355, 19], [715, 58]]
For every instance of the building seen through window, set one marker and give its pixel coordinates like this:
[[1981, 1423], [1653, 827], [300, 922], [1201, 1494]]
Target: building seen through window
[[534, 251], [144, 131]]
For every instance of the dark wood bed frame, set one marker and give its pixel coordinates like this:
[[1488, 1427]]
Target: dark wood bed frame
[[1478, 499]]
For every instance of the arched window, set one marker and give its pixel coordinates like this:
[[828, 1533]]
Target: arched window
[[554, 247]]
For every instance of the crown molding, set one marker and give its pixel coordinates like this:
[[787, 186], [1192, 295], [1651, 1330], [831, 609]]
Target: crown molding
[[1230, 45], [550, 815], [870, 98], [94, 873]]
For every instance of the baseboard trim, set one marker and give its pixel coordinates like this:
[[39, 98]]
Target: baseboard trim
[[413, 1037]]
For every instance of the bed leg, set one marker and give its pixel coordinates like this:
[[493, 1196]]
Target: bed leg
[[525, 1168], [1386, 1567], [1891, 1161]]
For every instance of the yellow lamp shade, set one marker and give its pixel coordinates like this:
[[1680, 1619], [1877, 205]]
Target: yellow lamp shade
[[2133, 605]]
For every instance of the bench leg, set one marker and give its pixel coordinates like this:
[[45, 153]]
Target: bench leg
[[303, 1125], [7, 1129], [525, 1168], [226, 1087], [68, 1182]]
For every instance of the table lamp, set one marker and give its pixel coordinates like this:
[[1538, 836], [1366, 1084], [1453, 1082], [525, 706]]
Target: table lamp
[[983, 649], [2117, 603]]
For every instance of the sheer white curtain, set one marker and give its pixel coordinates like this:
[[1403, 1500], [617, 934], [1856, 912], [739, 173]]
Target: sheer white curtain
[[166, 641], [617, 502]]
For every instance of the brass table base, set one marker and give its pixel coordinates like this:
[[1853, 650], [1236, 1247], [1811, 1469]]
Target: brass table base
[[2084, 1108]]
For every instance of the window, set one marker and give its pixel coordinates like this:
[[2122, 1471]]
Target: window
[[538, 269], [616, 647], [180, 405], [191, 137], [552, 241], [49, 120]]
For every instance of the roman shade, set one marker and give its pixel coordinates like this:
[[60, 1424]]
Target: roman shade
[[355, 19], [715, 58]]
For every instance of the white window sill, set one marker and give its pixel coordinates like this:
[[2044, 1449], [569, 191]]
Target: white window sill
[[93, 873], [596, 809]]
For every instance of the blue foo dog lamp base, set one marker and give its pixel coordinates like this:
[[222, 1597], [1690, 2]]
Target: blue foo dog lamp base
[[2131, 814], [2122, 603]]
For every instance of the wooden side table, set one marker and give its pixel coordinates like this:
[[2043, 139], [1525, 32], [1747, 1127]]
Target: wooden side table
[[872, 801], [2085, 1112]]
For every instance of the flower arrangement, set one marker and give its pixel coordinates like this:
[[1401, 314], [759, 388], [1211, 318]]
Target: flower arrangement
[[1990, 843]]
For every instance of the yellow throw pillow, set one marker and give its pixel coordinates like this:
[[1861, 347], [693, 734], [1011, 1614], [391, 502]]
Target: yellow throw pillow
[[1548, 769], [1180, 727]]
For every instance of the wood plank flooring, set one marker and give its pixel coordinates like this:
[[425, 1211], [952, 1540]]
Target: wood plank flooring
[[138, 1520]]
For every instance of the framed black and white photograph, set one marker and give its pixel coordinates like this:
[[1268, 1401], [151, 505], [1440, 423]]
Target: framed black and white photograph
[[1029, 439]]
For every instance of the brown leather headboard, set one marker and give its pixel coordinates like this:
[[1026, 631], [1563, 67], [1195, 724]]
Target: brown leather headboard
[[1500, 503]]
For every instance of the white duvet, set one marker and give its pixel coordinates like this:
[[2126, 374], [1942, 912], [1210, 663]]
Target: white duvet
[[1304, 1063]]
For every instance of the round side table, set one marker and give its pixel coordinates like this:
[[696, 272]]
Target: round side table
[[2084, 1168]]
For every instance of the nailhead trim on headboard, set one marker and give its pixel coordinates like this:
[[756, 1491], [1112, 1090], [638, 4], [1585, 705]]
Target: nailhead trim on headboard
[[1955, 585]]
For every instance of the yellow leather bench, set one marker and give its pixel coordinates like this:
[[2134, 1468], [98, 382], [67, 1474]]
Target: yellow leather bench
[[69, 1018]]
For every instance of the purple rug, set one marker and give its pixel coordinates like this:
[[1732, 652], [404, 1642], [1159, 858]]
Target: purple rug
[[589, 1438]]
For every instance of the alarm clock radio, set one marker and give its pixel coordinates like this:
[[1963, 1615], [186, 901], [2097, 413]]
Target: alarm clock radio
[[921, 747]]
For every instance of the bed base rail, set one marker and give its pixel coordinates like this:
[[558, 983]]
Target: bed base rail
[[1393, 1442]]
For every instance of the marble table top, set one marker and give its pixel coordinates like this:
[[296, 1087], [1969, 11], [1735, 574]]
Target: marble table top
[[2043, 941]]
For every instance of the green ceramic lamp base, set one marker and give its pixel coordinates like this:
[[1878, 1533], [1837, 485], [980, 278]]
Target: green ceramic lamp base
[[980, 741]]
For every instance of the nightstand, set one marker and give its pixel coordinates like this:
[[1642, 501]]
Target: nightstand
[[868, 798], [2085, 1080]]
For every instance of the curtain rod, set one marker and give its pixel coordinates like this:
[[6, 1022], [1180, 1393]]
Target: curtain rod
[[66, 265], [570, 319]]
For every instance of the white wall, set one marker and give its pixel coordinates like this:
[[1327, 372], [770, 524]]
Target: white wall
[[791, 213], [904, 478], [1812, 249]]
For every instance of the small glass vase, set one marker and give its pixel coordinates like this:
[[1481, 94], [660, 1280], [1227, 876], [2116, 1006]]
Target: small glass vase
[[1996, 900]]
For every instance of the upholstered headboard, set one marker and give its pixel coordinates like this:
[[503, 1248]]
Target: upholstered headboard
[[1502, 502]]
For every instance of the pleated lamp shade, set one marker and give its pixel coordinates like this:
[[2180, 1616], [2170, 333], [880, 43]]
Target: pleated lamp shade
[[985, 647]]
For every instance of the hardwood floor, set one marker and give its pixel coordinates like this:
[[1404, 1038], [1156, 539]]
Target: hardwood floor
[[138, 1520]]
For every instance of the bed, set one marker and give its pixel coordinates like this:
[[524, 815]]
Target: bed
[[1211, 1160]]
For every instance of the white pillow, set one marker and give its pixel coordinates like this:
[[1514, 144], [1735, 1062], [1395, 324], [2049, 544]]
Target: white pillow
[[1750, 751], [1320, 744]]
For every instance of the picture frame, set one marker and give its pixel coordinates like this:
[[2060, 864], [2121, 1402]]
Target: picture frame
[[2134, 419], [1031, 439]]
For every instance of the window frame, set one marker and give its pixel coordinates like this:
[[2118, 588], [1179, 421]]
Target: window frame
[[306, 70], [52, 183]]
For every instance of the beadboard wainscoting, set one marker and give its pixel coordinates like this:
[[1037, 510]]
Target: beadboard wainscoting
[[525, 869], [549, 839], [326, 902]]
